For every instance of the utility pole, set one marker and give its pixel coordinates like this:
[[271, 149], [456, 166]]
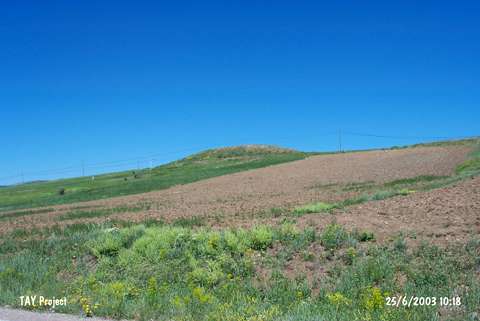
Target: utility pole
[[23, 178], [83, 168], [151, 164], [339, 140]]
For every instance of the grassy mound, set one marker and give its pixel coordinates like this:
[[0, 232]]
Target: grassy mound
[[242, 151]]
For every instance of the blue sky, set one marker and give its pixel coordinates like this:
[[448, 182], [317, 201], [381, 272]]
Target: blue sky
[[102, 81]]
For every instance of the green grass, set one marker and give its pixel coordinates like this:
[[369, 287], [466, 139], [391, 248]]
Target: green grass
[[356, 186], [322, 207], [189, 221], [167, 272], [24, 213], [196, 167], [79, 213], [460, 142], [314, 208], [471, 165], [414, 180]]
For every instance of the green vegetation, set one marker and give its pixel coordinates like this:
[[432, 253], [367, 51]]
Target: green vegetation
[[414, 180], [24, 213], [189, 221], [460, 142], [356, 186], [333, 237], [314, 208], [471, 165], [196, 167], [88, 213], [322, 207], [168, 272]]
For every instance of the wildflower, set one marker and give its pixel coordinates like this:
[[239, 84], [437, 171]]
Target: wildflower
[[338, 299], [152, 287], [200, 295], [373, 299], [85, 304]]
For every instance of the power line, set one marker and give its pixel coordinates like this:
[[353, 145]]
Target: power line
[[129, 161], [151, 157], [405, 137], [340, 140]]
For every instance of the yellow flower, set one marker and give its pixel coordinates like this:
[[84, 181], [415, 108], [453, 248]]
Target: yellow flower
[[200, 295], [338, 299], [177, 302], [373, 299], [299, 294]]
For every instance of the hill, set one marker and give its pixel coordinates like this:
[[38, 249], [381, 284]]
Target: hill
[[242, 151], [199, 166]]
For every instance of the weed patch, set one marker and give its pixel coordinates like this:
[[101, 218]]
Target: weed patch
[[314, 208], [321, 207], [79, 214], [189, 221], [179, 273], [413, 180]]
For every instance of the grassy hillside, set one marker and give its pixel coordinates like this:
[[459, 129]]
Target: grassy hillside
[[204, 165]]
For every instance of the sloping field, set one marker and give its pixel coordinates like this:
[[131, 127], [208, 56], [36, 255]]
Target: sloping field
[[331, 237], [207, 164], [447, 214], [235, 197]]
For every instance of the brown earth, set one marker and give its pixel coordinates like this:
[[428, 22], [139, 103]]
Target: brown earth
[[443, 215], [241, 198]]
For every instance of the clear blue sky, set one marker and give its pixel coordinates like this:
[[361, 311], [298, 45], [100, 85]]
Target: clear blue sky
[[102, 81]]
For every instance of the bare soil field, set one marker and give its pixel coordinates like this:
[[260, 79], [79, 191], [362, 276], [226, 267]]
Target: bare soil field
[[237, 199], [445, 214]]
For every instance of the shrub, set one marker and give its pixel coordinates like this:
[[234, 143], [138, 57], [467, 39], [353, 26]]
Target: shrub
[[112, 240], [349, 256], [333, 236], [364, 236], [287, 232], [400, 244], [261, 237], [276, 212], [234, 243]]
